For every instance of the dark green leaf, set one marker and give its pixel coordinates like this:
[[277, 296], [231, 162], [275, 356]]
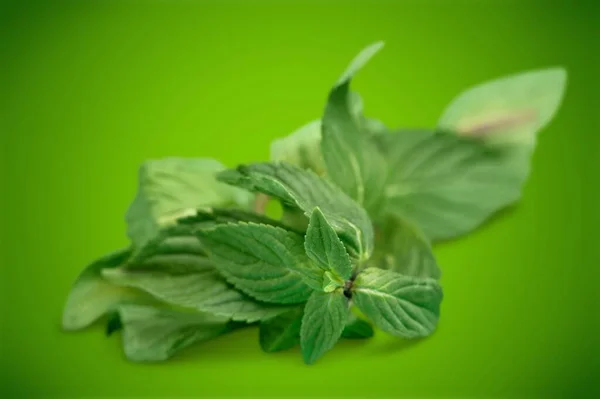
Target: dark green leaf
[[113, 324], [305, 190], [266, 262], [324, 320], [404, 306], [352, 159], [281, 332], [174, 269], [357, 328], [324, 247]]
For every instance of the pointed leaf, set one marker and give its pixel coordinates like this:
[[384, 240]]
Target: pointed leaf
[[305, 190], [301, 148], [449, 185], [403, 306], [92, 297], [174, 269], [281, 332], [324, 320], [403, 248], [152, 334], [171, 188], [511, 109], [266, 262], [357, 328], [324, 247], [352, 160]]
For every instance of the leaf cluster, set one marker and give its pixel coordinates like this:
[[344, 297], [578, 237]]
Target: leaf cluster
[[362, 206]]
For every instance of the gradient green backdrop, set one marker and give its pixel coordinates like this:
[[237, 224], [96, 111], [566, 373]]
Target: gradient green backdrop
[[89, 90]]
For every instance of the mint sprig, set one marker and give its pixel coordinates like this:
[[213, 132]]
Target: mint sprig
[[362, 206]]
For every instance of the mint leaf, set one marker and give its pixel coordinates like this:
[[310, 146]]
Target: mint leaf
[[403, 248], [449, 185], [301, 148], [509, 110], [266, 262], [324, 247], [281, 332], [357, 328], [92, 297], [324, 320], [174, 269], [152, 334], [303, 189], [352, 160], [173, 187], [407, 307], [214, 216]]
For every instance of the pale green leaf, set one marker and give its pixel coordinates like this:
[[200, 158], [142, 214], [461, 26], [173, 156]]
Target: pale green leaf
[[305, 190], [324, 247], [508, 110], [331, 282], [92, 297], [152, 334], [449, 185], [171, 188], [352, 160], [173, 268], [325, 316], [302, 148], [403, 248], [403, 306], [266, 262]]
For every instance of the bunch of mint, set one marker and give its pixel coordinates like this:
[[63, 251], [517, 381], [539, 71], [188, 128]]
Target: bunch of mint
[[361, 205]]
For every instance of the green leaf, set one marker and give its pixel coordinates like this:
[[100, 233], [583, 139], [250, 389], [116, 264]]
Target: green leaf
[[449, 185], [301, 148], [324, 247], [92, 297], [353, 161], [266, 262], [171, 188], [324, 320], [174, 269], [210, 217], [403, 248], [152, 334], [331, 282], [281, 332], [508, 110], [407, 307], [303, 189], [357, 328]]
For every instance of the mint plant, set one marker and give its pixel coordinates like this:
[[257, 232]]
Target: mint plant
[[362, 205]]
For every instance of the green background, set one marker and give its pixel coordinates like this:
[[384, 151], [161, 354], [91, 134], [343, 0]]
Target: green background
[[89, 90]]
